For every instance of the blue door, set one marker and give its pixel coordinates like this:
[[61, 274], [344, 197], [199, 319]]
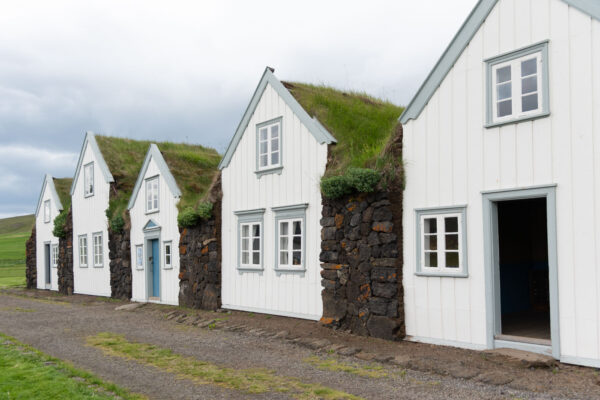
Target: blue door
[[155, 269]]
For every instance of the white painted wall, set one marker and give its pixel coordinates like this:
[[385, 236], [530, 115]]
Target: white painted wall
[[89, 216], [166, 218], [304, 161], [450, 158], [43, 233]]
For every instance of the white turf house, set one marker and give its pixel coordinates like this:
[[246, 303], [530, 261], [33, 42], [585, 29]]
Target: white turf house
[[502, 199]]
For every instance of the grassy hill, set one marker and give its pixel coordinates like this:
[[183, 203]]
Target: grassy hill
[[14, 232]]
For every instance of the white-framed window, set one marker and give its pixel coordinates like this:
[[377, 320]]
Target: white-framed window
[[290, 237], [98, 249], [152, 194], [250, 239], [441, 242], [55, 255], [46, 211], [83, 251], [139, 256], [168, 255], [269, 144], [518, 85], [88, 179]]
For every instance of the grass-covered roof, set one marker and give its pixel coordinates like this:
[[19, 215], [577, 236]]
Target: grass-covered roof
[[63, 189], [192, 166], [363, 125]]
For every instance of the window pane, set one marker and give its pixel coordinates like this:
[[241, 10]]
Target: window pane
[[275, 145], [263, 160], [297, 257], [431, 242], [297, 243], [504, 108], [256, 244], [430, 225], [245, 230], [275, 131], [244, 244], [297, 227], [530, 102], [256, 258], [283, 243], [431, 260], [283, 228], [263, 134], [452, 260], [245, 257], [275, 158], [504, 91], [529, 67], [451, 242], [529, 85], [263, 147], [256, 230], [283, 258], [503, 74], [451, 224]]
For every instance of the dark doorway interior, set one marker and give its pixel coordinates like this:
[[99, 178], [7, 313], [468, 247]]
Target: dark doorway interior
[[47, 263], [524, 282]]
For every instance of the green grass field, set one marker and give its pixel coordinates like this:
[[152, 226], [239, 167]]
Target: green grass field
[[14, 232]]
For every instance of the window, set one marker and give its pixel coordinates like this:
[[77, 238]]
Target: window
[[139, 256], [55, 255], [88, 179], [441, 242], [518, 85], [168, 255], [250, 237], [152, 194], [290, 237], [46, 211], [269, 145], [98, 251], [83, 251]]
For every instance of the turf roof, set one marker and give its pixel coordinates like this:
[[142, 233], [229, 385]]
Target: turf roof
[[192, 166], [63, 189], [362, 124]]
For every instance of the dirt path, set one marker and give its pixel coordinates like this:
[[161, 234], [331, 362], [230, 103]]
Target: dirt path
[[61, 326]]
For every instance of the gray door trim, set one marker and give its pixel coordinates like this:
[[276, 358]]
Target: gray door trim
[[492, 281], [150, 235]]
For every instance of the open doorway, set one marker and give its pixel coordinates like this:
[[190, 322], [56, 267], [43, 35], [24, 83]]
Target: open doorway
[[524, 270], [47, 265]]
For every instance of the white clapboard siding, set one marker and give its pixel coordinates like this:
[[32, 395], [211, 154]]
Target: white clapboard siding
[[304, 161], [166, 218], [43, 233], [451, 158], [89, 216]]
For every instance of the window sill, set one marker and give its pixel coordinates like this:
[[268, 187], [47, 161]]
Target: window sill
[[290, 270], [167, 268], [85, 196], [152, 212], [99, 266], [83, 266], [139, 268], [442, 274], [250, 269], [518, 120], [266, 171]]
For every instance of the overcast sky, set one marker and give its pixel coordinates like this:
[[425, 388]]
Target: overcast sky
[[185, 71]]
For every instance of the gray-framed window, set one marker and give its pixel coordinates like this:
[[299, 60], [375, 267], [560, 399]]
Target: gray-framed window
[[88, 179], [46, 211], [83, 251], [98, 249], [55, 255], [139, 256], [269, 146], [290, 237], [518, 86], [152, 192], [250, 239], [168, 252], [441, 242]]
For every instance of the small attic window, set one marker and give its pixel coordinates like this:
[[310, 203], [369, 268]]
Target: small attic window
[[46, 211], [268, 145], [88, 179]]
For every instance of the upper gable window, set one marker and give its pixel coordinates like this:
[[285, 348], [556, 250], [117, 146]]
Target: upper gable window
[[46, 211], [152, 194], [268, 142], [88, 179], [518, 86]]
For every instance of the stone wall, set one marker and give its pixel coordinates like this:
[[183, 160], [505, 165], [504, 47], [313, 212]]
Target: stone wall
[[200, 259], [65, 258], [30, 261], [362, 264], [119, 247]]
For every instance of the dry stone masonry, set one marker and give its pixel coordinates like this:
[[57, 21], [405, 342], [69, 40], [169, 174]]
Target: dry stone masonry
[[120, 262], [30, 261], [361, 265], [65, 258]]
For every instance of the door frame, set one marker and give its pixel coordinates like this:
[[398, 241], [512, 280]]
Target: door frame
[[492, 270], [149, 235], [48, 265]]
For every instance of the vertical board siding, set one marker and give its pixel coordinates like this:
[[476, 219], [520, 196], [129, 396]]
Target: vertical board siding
[[166, 218], [89, 216], [304, 161], [451, 158], [43, 234]]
